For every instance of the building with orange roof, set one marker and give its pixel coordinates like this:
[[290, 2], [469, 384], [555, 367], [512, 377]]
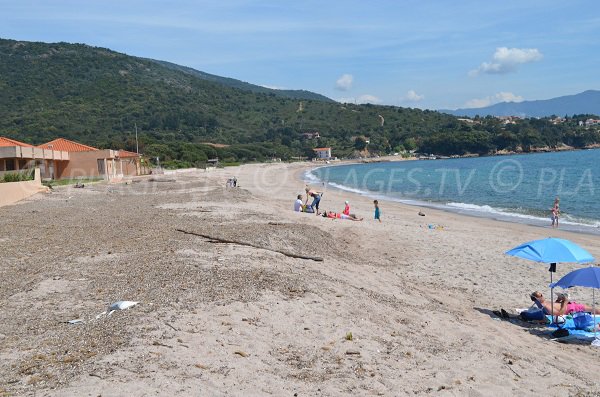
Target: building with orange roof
[[62, 158], [7, 142], [91, 162], [322, 153], [16, 156], [67, 146]]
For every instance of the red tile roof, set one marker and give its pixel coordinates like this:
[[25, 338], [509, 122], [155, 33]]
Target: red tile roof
[[66, 145], [322, 148], [125, 153], [11, 142]]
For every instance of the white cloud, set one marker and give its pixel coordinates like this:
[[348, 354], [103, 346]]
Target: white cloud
[[506, 60], [412, 96], [273, 87], [344, 83], [366, 98], [478, 103], [508, 97], [493, 99]]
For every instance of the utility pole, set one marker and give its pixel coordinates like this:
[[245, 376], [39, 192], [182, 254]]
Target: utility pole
[[137, 147]]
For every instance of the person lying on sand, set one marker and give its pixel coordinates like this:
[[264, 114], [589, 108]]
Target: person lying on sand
[[562, 305], [335, 215]]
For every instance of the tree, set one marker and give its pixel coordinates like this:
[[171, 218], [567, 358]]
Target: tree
[[360, 143]]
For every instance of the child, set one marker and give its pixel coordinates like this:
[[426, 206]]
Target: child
[[377, 212]]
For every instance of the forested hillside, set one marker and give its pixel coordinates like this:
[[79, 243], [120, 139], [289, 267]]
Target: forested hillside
[[96, 96]]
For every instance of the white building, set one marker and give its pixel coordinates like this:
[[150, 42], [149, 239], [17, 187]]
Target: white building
[[323, 153]]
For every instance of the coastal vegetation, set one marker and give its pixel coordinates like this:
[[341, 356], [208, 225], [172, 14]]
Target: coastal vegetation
[[185, 117]]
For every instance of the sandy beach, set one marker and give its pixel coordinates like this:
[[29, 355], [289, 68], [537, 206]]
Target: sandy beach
[[393, 309]]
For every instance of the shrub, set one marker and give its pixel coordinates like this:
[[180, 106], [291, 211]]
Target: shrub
[[27, 175]]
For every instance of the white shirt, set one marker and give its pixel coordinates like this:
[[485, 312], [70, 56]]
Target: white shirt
[[298, 205]]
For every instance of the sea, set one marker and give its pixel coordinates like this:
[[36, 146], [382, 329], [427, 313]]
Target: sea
[[514, 188]]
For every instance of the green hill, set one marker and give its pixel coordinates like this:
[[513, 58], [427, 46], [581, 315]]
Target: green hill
[[96, 96]]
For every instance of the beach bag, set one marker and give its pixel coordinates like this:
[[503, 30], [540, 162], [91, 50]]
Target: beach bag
[[583, 320]]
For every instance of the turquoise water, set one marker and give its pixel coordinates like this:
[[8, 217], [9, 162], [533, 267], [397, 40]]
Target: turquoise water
[[517, 188]]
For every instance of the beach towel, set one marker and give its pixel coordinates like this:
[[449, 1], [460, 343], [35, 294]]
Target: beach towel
[[574, 333]]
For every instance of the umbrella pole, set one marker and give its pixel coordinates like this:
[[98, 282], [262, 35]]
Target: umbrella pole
[[552, 300]]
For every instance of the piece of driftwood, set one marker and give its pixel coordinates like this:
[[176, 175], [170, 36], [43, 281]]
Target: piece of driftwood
[[214, 239]]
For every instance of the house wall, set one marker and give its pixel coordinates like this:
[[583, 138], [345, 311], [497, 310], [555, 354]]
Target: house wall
[[130, 166], [15, 158], [11, 192], [323, 154], [85, 164]]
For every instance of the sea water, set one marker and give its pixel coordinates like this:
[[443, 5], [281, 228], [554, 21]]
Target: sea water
[[519, 188]]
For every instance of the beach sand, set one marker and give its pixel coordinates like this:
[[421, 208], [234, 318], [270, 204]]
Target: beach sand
[[395, 308]]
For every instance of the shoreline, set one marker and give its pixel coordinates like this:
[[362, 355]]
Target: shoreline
[[389, 158], [484, 211]]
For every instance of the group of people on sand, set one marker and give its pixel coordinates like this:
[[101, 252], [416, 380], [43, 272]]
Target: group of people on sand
[[313, 208], [302, 206]]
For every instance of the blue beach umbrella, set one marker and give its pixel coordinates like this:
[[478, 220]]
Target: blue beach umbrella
[[551, 250], [586, 277]]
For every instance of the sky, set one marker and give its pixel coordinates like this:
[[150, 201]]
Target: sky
[[434, 54]]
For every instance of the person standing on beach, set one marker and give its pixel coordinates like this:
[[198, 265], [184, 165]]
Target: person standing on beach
[[316, 199], [377, 211], [555, 212]]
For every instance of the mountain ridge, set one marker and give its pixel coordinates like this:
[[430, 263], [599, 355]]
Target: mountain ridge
[[234, 83], [586, 102]]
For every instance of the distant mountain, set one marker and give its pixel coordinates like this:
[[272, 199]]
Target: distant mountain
[[587, 102], [292, 94]]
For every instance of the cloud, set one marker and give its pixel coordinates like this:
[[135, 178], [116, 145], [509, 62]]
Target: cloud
[[493, 99], [412, 96], [273, 87], [507, 60], [344, 83], [366, 98]]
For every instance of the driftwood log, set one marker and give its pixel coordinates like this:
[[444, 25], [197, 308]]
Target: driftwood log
[[214, 239]]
